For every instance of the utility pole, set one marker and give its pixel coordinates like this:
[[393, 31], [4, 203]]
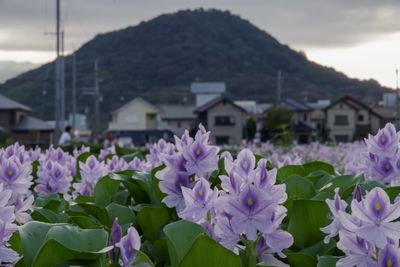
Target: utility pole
[[62, 87], [279, 88], [74, 90], [398, 98], [95, 92], [96, 100], [57, 78]]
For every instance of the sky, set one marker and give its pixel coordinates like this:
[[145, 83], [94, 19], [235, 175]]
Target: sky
[[358, 37]]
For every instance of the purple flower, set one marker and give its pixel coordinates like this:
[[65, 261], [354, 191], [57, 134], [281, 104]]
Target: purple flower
[[389, 256], [15, 176], [335, 206], [129, 245], [53, 178], [385, 143], [91, 172], [377, 216], [172, 184], [7, 255], [357, 193], [224, 232], [198, 201], [358, 251], [115, 237], [202, 159], [107, 151], [117, 164], [249, 211], [243, 165]]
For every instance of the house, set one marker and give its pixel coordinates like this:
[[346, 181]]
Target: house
[[206, 91], [27, 130], [137, 114], [178, 118], [303, 130], [224, 119], [348, 118]]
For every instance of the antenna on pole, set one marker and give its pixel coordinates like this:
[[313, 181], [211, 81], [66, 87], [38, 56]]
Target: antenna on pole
[[279, 88]]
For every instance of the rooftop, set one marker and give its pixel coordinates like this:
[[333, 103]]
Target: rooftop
[[31, 123], [7, 103], [177, 112]]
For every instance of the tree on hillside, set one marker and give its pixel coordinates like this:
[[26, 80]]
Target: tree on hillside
[[278, 126]]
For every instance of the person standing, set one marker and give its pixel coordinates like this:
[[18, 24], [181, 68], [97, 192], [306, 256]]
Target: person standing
[[65, 138]]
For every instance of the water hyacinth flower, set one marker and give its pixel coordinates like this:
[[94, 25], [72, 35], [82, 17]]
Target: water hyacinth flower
[[7, 255], [172, 186], [385, 143], [335, 206], [53, 178], [115, 237], [198, 201], [358, 252], [389, 256], [377, 215], [91, 171], [128, 246], [15, 176], [116, 164]]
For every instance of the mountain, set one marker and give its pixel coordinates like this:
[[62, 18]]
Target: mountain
[[10, 69], [158, 60]]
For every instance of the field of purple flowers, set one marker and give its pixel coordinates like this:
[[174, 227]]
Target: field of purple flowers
[[195, 204]]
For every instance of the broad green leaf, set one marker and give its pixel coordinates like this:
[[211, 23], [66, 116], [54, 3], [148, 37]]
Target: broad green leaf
[[307, 217], [180, 237], [298, 187], [207, 252], [286, 171], [125, 214], [319, 166], [327, 261], [151, 220], [65, 242], [104, 190], [33, 235], [301, 260]]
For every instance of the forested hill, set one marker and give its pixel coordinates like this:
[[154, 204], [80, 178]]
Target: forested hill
[[158, 60]]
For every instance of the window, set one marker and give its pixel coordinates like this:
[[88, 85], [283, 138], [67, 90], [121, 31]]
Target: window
[[360, 117], [224, 121], [178, 124], [11, 118], [341, 120], [222, 140], [341, 138]]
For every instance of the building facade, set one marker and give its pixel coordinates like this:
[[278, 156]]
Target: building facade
[[224, 119]]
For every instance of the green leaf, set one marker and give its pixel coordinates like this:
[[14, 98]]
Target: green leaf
[[151, 220], [342, 182], [99, 213], [307, 217], [298, 187], [392, 192], [33, 235], [319, 166], [104, 190], [180, 237], [207, 252], [301, 260], [286, 171], [65, 242], [125, 214], [327, 261]]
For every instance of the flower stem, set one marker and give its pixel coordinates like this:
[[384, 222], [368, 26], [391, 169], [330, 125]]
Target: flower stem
[[249, 255]]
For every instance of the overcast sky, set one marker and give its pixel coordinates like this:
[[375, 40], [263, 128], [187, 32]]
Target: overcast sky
[[358, 37]]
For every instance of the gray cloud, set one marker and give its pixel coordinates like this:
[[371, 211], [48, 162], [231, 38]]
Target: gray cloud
[[299, 23]]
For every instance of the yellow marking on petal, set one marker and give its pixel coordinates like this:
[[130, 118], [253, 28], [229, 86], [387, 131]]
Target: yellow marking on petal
[[198, 152], [250, 202], [10, 172], [201, 192], [387, 167], [180, 184], [129, 248], [378, 206], [389, 263], [245, 165], [382, 138]]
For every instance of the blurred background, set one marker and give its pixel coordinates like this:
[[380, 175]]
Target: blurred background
[[132, 72]]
